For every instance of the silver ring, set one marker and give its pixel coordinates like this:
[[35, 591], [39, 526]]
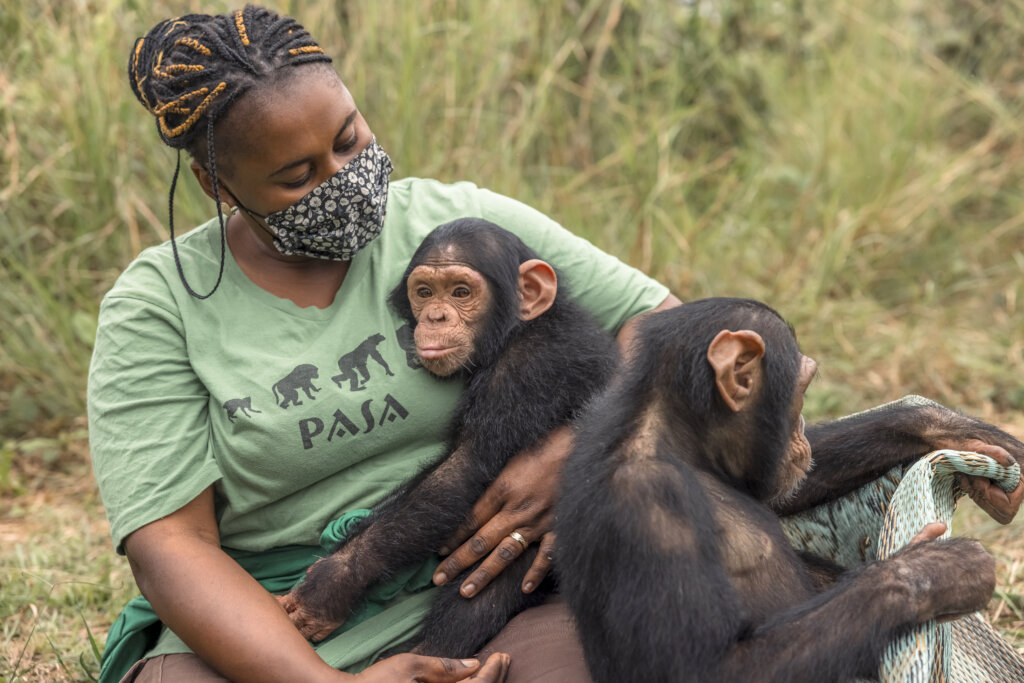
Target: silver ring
[[518, 538]]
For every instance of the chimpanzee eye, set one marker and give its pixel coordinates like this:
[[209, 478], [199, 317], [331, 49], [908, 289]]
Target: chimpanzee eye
[[423, 292], [461, 292]]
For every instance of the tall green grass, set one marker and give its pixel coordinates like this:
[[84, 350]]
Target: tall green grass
[[857, 165]]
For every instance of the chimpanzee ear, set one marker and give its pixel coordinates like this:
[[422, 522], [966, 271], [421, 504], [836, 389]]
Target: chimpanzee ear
[[736, 359], [538, 285]]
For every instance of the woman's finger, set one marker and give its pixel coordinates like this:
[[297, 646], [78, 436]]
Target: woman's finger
[[495, 669], [541, 564], [484, 510], [486, 539], [506, 552]]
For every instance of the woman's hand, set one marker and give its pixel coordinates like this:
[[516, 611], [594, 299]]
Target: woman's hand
[[520, 500], [421, 669]]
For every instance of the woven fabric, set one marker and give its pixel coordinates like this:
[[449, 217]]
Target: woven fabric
[[879, 519]]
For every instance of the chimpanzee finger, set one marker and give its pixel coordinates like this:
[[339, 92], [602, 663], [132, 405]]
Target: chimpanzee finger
[[1016, 497], [1001, 506], [504, 554], [929, 532], [987, 495], [997, 453], [541, 564]]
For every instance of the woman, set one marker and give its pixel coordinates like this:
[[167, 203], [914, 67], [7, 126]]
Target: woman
[[222, 446]]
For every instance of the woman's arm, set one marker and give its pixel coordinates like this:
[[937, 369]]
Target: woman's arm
[[234, 624], [213, 604], [521, 499]]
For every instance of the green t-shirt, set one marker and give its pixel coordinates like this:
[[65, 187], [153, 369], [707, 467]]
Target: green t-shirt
[[294, 415]]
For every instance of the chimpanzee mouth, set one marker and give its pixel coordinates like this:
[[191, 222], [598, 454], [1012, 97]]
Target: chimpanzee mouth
[[435, 351]]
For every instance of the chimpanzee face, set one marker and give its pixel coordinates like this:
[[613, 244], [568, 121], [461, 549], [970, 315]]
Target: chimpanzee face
[[450, 301], [797, 461]]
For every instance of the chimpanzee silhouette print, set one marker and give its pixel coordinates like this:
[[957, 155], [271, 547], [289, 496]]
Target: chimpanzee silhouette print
[[353, 364], [301, 378], [232, 406]]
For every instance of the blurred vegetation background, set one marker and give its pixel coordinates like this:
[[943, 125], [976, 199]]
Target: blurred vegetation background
[[858, 165]]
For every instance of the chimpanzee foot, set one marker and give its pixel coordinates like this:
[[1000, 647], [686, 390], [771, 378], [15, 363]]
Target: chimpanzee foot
[[312, 626]]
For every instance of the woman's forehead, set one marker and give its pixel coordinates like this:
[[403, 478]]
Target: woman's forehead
[[277, 122]]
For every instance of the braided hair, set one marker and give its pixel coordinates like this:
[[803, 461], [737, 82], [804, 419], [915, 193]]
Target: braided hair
[[192, 68]]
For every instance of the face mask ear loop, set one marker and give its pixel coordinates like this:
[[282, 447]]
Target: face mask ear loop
[[260, 220], [220, 218]]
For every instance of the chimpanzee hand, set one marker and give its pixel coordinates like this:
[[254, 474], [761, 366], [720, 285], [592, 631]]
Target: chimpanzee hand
[[419, 669], [945, 578], [985, 493], [322, 601], [930, 532], [520, 500]]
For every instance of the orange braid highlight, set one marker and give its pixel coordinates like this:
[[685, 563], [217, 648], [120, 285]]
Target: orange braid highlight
[[196, 113], [178, 106], [194, 44], [135, 57], [174, 69], [140, 81], [240, 25], [175, 23], [308, 49]]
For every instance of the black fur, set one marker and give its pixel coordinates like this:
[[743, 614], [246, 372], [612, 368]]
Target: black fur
[[669, 555], [527, 379]]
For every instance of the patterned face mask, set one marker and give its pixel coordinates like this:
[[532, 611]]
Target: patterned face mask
[[341, 216]]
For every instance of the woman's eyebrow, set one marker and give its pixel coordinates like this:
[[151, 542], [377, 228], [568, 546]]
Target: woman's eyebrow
[[299, 162]]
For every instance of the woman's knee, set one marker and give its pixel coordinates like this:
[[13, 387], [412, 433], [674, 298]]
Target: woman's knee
[[544, 646]]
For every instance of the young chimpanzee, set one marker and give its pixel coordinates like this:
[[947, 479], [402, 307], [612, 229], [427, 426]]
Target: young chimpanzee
[[484, 309], [670, 552]]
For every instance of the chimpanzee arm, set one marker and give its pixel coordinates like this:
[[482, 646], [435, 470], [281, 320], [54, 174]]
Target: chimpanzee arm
[[842, 633], [853, 451], [404, 528], [421, 515]]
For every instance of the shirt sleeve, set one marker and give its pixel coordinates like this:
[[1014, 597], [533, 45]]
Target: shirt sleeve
[[612, 291], [149, 430]]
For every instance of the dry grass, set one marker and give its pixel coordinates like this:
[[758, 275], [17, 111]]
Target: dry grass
[[61, 582]]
